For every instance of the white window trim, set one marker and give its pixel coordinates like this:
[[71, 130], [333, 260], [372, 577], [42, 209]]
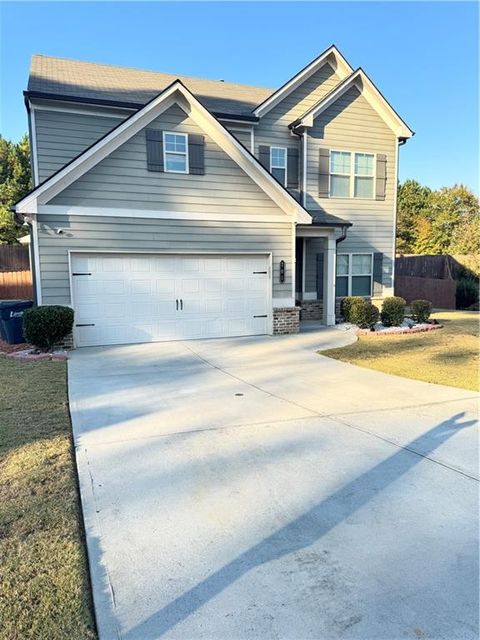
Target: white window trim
[[276, 166], [351, 275], [352, 174], [178, 153]]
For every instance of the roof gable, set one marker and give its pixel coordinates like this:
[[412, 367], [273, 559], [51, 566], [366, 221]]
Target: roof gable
[[377, 101], [176, 93], [331, 56]]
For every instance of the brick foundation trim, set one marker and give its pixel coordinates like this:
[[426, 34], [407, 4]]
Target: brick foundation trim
[[313, 309], [66, 343], [286, 320]]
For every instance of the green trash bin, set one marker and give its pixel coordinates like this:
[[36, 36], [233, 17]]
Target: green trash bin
[[11, 320]]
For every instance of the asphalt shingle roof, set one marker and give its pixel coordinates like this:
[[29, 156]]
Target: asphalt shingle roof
[[88, 80]]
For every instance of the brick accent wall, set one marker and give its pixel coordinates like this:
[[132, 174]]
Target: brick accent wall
[[66, 343], [311, 310], [286, 320]]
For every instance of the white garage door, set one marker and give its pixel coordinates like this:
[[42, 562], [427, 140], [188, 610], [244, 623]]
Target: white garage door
[[124, 298]]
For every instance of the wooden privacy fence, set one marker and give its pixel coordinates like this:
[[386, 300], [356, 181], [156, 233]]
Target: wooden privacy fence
[[430, 277], [441, 293], [16, 285], [15, 274]]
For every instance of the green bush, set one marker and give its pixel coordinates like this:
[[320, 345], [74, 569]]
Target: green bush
[[346, 306], [45, 326], [364, 314], [420, 310], [393, 311], [466, 293]]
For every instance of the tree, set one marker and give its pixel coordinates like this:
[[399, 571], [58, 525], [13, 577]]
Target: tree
[[412, 201], [436, 222], [15, 182]]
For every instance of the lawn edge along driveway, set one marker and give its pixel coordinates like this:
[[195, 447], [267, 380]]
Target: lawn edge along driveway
[[448, 356], [45, 585]]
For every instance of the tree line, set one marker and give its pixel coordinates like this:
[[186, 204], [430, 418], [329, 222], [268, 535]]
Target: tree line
[[445, 220]]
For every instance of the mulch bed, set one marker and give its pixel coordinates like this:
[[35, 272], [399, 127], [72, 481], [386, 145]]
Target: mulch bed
[[11, 348], [399, 331], [25, 351]]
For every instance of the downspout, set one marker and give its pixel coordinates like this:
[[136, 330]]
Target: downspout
[[342, 236]]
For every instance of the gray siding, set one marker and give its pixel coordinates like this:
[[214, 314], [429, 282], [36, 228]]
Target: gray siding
[[122, 180], [128, 234], [351, 124], [243, 135], [273, 128], [61, 136]]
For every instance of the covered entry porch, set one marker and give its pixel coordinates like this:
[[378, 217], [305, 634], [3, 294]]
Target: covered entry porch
[[316, 251]]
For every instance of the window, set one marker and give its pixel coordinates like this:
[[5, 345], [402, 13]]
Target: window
[[363, 175], [175, 152], [354, 274], [352, 175], [278, 164], [340, 164]]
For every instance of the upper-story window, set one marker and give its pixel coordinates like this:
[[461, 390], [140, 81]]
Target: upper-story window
[[352, 175], [175, 152], [278, 164]]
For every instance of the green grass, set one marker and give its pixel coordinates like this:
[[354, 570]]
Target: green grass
[[44, 588], [448, 356]]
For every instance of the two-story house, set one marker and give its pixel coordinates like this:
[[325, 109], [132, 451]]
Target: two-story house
[[169, 207]]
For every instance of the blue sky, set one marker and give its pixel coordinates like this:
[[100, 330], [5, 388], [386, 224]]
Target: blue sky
[[423, 56]]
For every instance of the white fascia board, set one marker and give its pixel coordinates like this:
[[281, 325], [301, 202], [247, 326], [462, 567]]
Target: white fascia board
[[366, 87], [175, 94], [156, 214], [331, 55], [72, 171], [247, 162]]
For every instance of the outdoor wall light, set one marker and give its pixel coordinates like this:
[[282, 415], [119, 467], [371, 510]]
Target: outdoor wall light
[[282, 270]]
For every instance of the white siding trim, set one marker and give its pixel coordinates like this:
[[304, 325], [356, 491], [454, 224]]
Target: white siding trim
[[177, 93], [86, 112], [62, 210], [294, 259], [304, 167], [343, 70], [33, 128], [36, 257], [395, 196], [283, 302]]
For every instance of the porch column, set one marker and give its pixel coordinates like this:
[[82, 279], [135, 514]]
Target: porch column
[[329, 281]]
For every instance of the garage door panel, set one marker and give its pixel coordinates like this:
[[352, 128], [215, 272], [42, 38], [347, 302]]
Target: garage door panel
[[132, 298]]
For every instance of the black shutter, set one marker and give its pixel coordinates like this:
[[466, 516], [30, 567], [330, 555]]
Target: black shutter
[[292, 168], [377, 275], [154, 150], [196, 154], [381, 176], [320, 263], [323, 172], [264, 156]]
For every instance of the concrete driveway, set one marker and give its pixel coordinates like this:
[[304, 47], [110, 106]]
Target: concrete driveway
[[250, 488]]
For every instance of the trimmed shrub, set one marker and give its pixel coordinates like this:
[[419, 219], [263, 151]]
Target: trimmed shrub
[[45, 326], [466, 293], [365, 314], [420, 310], [346, 306], [393, 311]]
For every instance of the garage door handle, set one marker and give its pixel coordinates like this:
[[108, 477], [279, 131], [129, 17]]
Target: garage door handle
[[84, 325], [181, 304], [176, 302], [265, 316]]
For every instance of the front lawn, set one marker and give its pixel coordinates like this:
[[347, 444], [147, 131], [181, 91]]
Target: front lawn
[[448, 356], [44, 592]]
